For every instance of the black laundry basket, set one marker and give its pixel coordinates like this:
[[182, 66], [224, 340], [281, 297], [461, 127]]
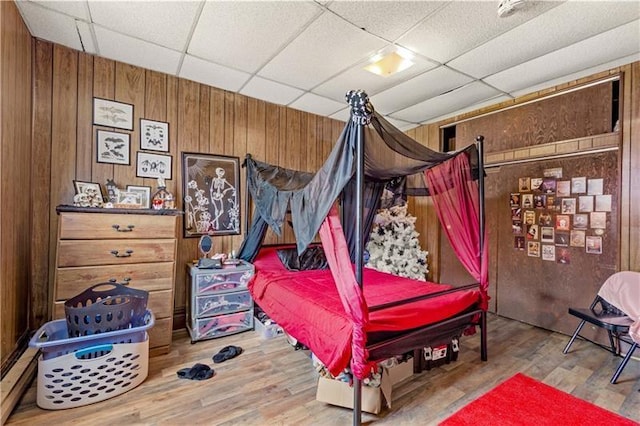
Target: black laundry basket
[[105, 307]]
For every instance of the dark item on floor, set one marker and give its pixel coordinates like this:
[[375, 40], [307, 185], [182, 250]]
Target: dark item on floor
[[226, 353], [197, 372]]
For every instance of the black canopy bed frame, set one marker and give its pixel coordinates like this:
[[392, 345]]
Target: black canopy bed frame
[[382, 345]]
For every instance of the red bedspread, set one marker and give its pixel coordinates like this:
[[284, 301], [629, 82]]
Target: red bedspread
[[307, 305]]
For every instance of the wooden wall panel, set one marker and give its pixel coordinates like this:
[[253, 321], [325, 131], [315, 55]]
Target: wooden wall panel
[[201, 119], [104, 72], [576, 114], [130, 89], [84, 157], [630, 185], [41, 178], [15, 170]]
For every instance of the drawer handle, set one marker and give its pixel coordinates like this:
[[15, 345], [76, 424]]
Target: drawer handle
[[125, 280], [127, 253], [128, 229]]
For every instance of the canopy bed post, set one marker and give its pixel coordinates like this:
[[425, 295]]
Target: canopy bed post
[[360, 117], [481, 217], [246, 198]]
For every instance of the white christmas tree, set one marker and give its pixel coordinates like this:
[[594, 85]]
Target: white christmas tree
[[393, 245]]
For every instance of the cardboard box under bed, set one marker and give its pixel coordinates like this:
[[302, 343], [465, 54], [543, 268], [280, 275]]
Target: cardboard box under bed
[[340, 393]]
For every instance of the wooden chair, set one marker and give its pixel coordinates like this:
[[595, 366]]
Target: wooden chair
[[605, 315]]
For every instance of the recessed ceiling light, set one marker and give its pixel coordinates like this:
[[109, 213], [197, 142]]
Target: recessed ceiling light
[[389, 64]]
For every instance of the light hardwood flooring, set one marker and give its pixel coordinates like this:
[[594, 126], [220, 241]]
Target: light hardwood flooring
[[272, 384]]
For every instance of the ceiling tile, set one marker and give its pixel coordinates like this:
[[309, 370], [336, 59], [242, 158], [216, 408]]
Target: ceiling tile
[[270, 91], [342, 115], [469, 108], [77, 9], [136, 52], [424, 86], [387, 19], [359, 78], [444, 104], [328, 46], [560, 27], [462, 25], [49, 25], [245, 35], [86, 37], [620, 42], [167, 23], [400, 124], [578, 75], [317, 104], [212, 74]]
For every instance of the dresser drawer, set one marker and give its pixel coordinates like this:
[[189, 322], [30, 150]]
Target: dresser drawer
[[114, 252], [83, 226], [160, 303], [144, 276], [216, 304], [222, 281], [223, 325]]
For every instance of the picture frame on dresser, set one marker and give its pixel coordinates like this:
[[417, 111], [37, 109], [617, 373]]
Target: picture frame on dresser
[[110, 113], [145, 194], [211, 188]]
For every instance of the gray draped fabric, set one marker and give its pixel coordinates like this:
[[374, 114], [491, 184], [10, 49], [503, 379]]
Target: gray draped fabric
[[388, 154]]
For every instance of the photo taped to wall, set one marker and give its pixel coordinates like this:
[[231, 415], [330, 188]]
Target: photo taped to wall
[[595, 186], [549, 252], [563, 188], [603, 203]]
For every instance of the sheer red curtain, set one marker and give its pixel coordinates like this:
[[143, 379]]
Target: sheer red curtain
[[337, 253], [455, 197]]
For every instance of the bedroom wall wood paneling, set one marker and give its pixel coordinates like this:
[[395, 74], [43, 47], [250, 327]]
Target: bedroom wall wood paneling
[[15, 175], [201, 119]]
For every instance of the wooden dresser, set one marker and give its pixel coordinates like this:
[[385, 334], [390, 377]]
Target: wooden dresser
[[133, 247]]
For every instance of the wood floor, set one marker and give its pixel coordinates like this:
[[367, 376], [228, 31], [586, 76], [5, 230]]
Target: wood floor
[[272, 384]]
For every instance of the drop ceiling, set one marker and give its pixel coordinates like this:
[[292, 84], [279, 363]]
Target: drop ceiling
[[307, 54]]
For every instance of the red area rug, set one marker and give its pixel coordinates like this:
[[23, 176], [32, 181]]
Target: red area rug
[[524, 401]]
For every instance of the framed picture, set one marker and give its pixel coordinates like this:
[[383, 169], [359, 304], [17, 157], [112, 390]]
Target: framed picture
[[577, 238], [585, 203], [112, 114], [563, 188], [211, 194], [113, 147], [594, 245], [595, 186], [145, 194], [535, 183], [153, 165], [603, 203], [129, 200], [579, 185], [533, 249], [154, 135], [92, 189], [548, 252], [568, 206], [547, 234]]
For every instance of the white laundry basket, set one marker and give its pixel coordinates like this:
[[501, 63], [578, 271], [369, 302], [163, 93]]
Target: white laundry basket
[[78, 371]]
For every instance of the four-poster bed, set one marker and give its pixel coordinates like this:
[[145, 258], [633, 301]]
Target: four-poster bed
[[346, 315]]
